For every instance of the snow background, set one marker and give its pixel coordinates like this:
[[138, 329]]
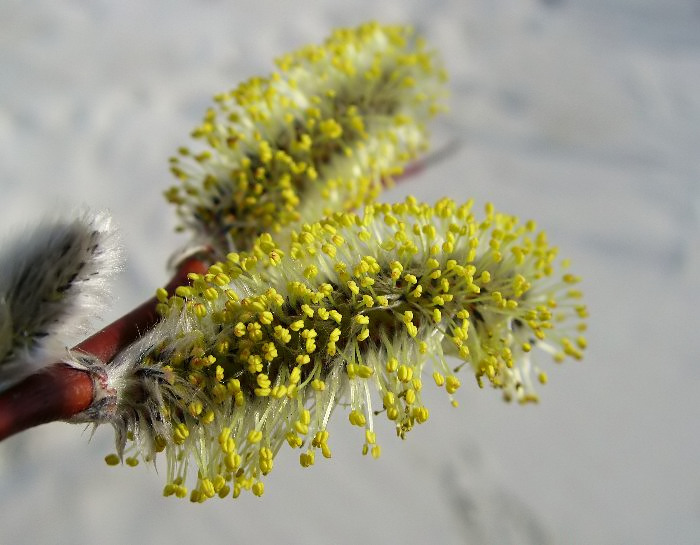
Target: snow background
[[581, 114]]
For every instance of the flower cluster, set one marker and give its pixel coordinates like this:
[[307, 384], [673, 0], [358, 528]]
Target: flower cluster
[[261, 349], [308, 306], [320, 135]]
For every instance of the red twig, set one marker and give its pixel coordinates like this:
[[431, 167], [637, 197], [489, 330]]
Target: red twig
[[60, 391], [438, 155]]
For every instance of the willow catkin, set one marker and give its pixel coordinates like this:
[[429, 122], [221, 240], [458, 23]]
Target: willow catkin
[[318, 136], [263, 348], [53, 280]]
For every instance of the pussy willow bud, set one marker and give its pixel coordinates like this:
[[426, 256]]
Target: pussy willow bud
[[52, 281], [316, 137], [263, 348]]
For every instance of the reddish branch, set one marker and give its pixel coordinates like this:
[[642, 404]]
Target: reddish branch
[[425, 162], [59, 391]]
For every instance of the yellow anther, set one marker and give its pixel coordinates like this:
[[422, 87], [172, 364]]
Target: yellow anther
[[301, 428], [263, 380], [310, 345], [306, 459], [410, 396], [180, 433], [416, 293], [211, 294], [365, 371], [331, 128], [293, 440], [325, 450], [412, 329], [254, 363], [183, 291], [254, 331], [162, 295], [255, 436], [318, 385], [404, 373], [207, 488], [258, 488], [278, 392], [232, 461], [195, 408], [335, 315], [282, 334], [295, 376], [296, 325], [357, 418], [320, 438], [219, 482], [112, 460], [309, 334], [266, 317], [452, 384], [200, 310], [421, 414], [389, 399], [197, 496], [570, 278], [335, 334], [331, 348], [224, 435]]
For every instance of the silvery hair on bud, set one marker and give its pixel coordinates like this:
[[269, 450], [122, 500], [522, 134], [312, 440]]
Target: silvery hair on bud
[[52, 282]]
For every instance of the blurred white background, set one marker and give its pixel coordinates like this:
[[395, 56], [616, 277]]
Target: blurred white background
[[582, 114]]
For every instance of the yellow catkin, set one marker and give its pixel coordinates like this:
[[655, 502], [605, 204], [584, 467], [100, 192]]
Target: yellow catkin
[[291, 147], [269, 366]]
